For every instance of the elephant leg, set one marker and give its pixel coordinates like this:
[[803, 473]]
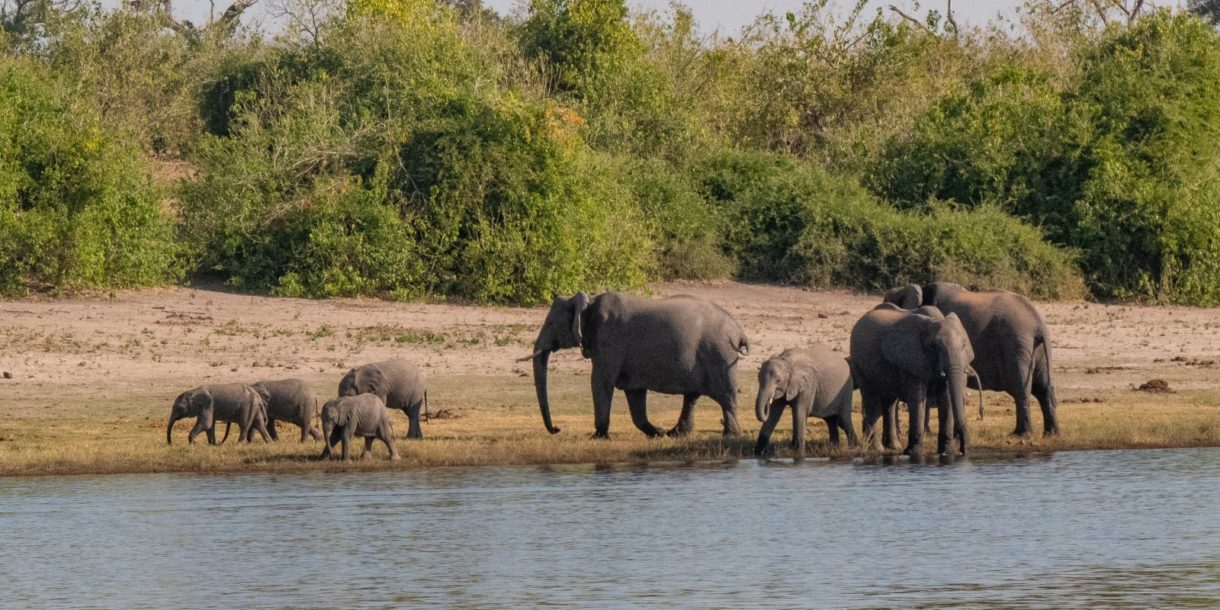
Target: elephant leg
[[387, 437], [1024, 428], [916, 407], [603, 397], [686, 421], [414, 430], [764, 435], [195, 430], [346, 440], [1045, 393], [311, 431], [368, 448], [799, 419], [849, 430], [275, 436], [832, 429], [637, 403], [728, 407], [261, 426], [889, 436], [872, 412]]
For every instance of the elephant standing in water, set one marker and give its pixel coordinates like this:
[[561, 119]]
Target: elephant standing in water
[[363, 415], [676, 345], [815, 382], [901, 355], [229, 402], [287, 400], [1010, 341], [396, 382]]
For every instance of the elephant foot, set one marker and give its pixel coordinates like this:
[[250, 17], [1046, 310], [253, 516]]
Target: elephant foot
[[913, 451], [676, 432], [395, 458], [1021, 433], [1051, 431], [601, 435]]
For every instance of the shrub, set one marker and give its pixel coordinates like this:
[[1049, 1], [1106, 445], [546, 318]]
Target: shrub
[[689, 229], [794, 223], [77, 207]]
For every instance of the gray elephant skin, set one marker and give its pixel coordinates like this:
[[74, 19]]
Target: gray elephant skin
[[287, 400], [676, 345], [1010, 340], [398, 383], [228, 402], [815, 382], [363, 415], [908, 355]]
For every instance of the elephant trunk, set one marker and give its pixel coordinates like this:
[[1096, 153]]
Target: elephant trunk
[[541, 359], [762, 406], [169, 430]]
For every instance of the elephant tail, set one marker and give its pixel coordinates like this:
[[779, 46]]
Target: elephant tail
[[427, 414], [743, 345]]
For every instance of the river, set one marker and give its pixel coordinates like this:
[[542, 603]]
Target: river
[[1074, 529]]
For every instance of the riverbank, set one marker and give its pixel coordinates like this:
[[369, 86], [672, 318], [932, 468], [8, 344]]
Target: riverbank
[[92, 380]]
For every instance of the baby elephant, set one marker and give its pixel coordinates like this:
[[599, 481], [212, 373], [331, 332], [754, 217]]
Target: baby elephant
[[229, 402], [287, 400], [362, 415], [815, 382], [396, 382]]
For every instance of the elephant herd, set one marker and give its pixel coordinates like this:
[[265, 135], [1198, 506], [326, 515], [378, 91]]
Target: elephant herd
[[923, 346]]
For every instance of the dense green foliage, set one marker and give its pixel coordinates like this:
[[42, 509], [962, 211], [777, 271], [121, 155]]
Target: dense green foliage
[[77, 207], [408, 148]]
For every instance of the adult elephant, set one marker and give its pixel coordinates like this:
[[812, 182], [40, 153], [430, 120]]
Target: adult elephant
[[1010, 340], [676, 345], [908, 356], [287, 400]]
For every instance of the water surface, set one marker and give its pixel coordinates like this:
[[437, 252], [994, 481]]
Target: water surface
[[1078, 529]]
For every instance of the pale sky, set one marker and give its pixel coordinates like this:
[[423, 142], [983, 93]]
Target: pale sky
[[729, 16]]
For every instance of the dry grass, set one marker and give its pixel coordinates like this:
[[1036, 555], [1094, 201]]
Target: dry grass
[[500, 426], [93, 379]]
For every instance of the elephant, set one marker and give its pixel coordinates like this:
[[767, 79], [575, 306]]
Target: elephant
[[815, 382], [363, 415], [906, 355], [676, 345], [1010, 340], [230, 402], [288, 400], [398, 383]]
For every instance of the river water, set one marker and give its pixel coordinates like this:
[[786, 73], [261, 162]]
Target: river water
[[1077, 529]]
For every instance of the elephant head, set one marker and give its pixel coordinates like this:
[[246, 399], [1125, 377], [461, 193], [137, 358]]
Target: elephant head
[[191, 403], [934, 350], [777, 379], [362, 380], [333, 416], [906, 297], [562, 329]]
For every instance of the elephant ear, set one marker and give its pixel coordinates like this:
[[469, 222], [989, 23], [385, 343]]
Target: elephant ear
[[201, 400], [906, 297], [956, 323], [591, 322], [343, 415], [370, 380], [580, 302], [906, 346], [799, 381]]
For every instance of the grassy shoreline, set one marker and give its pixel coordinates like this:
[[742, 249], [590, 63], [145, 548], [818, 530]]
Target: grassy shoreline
[[513, 436]]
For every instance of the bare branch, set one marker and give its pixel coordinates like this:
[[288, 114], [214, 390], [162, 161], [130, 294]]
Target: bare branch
[[923, 26], [949, 17]]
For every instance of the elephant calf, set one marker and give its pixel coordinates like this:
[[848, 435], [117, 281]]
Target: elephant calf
[[815, 382], [229, 402], [363, 415], [287, 400], [398, 384]]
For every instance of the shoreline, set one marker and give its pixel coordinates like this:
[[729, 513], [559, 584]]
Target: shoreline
[[93, 379]]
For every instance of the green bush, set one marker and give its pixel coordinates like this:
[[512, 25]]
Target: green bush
[[689, 229], [384, 161], [794, 223], [77, 207]]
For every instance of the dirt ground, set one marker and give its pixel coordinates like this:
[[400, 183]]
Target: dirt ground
[[116, 363]]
